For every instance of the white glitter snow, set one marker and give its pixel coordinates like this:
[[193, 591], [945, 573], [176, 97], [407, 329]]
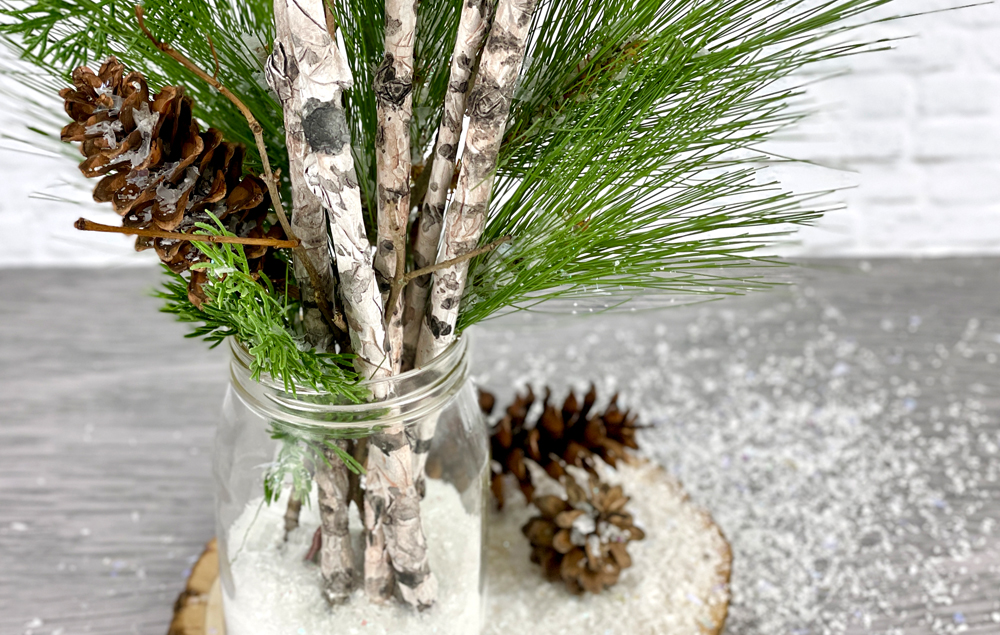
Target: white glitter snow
[[676, 580], [674, 587], [279, 594]]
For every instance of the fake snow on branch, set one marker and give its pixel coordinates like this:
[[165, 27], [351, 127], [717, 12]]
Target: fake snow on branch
[[394, 98], [472, 29]]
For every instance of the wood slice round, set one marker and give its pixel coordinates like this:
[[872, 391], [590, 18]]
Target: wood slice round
[[679, 584], [198, 609]]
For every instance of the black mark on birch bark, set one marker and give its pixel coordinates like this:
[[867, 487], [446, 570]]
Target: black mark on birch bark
[[450, 281], [447, 151], [502, 41], [412, 579], [392, 26], [389, 443], [438, 327], [434, 215], [488, 104], [325, 126], [391, 89]]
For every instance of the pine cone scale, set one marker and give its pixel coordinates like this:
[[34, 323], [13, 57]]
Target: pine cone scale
[[158, 169], [588, 556], [568, 435]]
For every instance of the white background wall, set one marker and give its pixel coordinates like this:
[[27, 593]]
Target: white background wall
[[914, 131]]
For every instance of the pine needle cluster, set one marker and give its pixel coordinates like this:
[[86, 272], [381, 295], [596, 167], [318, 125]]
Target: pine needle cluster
[[247, 307], [630, 165]]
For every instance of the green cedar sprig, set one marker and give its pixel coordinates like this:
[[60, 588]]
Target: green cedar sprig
[[248, 308], [299, 450]]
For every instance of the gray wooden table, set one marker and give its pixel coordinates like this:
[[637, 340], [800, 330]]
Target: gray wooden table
[[845, 433]]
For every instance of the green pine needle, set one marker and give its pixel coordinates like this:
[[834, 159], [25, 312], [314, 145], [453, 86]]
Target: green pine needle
[[247, 308], [629, 167]]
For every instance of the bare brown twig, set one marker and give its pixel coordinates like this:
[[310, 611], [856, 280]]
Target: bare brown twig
[[454, 261], [258, 135], [215, 58], [401, 281], [90, 226]]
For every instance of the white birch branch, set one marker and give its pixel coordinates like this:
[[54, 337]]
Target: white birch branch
[[393, 88], [336, 557], [488, 107], [391, 509], [321, 75], [391, 499], [308, 218], [473, 26]]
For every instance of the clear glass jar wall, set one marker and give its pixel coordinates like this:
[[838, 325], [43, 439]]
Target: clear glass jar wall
[[272, 444]]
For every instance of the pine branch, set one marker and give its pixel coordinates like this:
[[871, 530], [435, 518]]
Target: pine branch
[[59, 35], [246, 306], [629, 167]]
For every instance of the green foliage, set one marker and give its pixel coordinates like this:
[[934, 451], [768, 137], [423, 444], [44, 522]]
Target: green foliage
[[362, 25], [629, 168], [299, 450], [249, 309], [292, 462], [59, 35]]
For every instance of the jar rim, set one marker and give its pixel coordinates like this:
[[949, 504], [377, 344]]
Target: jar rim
[[399, 398]]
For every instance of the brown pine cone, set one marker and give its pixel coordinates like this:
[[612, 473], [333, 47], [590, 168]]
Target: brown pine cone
[[583, 541], [158, 170], [570, 435]]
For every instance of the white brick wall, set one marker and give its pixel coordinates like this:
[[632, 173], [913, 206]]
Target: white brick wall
[[915, 132]]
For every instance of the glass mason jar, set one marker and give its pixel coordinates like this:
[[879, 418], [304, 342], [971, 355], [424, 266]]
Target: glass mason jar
[[277, 450]]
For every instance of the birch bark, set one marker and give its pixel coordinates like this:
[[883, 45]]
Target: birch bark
[[393, 88], [488, 107], [395, 544], [311, 65], [473, 26], [321, 76], [336, 557], [308, 218], [309, 222]]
